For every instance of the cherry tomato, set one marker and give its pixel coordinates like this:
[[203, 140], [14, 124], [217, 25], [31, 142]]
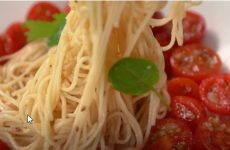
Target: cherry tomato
[[2, 48], [158, 15], [195, 61], [183, 87], [212, 134], [163, 35], [67, 8], [215, 93], [42, 11], [188, 109], [15, 38], [170, 134], [167, 54], [193, 27], [4, 146]]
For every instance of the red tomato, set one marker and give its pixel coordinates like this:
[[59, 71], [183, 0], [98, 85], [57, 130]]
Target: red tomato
[[15, 38], [193, 27], [167, 54], [162, 34], [169, 134], [215, 93], [183, 87], [2, 48], [195, 61], [158, 15], [212, 134], [42, 11], [67, 8], [188, 109], [3, 146]]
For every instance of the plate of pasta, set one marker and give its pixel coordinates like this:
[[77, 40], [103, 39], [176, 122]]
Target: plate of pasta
[[136, 75]]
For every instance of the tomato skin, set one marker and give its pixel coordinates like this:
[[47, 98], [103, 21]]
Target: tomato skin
[[163, 36], [187, 109], [4, 146], [195, 61], [169, 134], [2, 48], [212, 134], [218, 88], [42, 11], [193, 27], [67, 8], [15, 37], [156, 30], [183, 87], [162, 33], [167, 54]]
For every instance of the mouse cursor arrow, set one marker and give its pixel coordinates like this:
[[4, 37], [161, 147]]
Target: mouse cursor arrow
[[29, 119]]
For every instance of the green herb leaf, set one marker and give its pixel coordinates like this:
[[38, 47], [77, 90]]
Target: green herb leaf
[[44, 29], [134, 76], [54, 38]]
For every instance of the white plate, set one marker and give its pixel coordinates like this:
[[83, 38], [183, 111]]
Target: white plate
[[215, 13], [218, 34]]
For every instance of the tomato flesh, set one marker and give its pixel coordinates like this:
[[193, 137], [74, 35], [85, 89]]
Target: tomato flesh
[[170, 134], [212, 134], [15, 38], [188, 109], [195, 61], [183, 87], [215, 93], [42, 11], [193, 27]]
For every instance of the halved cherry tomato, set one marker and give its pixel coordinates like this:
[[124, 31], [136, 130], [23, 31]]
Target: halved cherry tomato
[[4, 146], [15, 38], [183, 87], [170, 134], [215, 93], [193, 27], [195, 61], [42, 11], [212, 134], [188, 109]]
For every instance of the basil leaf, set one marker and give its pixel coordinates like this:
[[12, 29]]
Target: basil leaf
[[134, 76], [44, 29], [54, 38], [38, 30]]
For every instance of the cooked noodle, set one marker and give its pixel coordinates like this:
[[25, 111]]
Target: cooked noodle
[[66, 91]]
